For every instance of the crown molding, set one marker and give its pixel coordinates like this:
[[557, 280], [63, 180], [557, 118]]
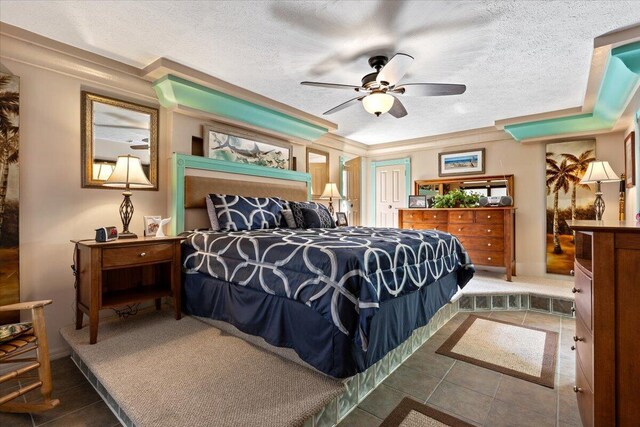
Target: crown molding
[[346, 145]]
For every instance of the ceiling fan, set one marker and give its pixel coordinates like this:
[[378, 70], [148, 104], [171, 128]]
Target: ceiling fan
[[380, 88]]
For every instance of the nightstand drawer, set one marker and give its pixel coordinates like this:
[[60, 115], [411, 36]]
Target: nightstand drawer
[[139, 254]]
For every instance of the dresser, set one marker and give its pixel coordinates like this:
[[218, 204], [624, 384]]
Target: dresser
[[124, 272], [487, 234], [607, 305]]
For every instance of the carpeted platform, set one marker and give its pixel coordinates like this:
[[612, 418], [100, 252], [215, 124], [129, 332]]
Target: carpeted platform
[[163, 372]]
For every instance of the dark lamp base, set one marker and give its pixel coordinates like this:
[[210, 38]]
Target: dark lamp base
[[127, 235]]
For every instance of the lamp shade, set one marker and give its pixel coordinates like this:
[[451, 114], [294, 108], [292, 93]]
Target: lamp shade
[[128, 173], [102, 171], [330, 191], [378, 103], [599, 171]]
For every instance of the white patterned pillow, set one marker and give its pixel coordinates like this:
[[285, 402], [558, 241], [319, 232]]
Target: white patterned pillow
[[237, 213]]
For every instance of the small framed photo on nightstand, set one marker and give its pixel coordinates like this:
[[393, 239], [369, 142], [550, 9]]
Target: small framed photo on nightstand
[[341, 219], [417, 201], [151, 227]]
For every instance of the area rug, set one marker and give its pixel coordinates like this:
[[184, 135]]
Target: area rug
[[410, 413], [166, 372], [515, 350]]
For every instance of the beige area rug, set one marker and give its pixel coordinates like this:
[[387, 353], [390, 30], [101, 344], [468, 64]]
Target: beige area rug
[[167, 372], [515, 350], [410, 413]]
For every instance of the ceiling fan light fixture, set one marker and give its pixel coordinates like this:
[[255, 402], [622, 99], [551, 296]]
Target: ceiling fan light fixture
[[378, 103]]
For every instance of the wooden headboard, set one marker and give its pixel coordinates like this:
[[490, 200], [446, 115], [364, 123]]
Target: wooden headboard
[[195, 177]]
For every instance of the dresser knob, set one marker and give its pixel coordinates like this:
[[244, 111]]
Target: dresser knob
[[577, 338], [488, 244], [577, 389], [572, 273], [435, 216], [143, 254], [488, 258], [489, 231], [459, 216], [459, 229], [573, 347], [488, 216], [575, 290]]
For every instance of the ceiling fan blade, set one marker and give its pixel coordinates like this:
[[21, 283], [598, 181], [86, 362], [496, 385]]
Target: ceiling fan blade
[[332, 85], [395, 69], [429, 89], [397, 109], [140, 147], [344, 105]]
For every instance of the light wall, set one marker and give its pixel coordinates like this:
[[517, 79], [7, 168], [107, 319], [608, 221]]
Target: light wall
[[527, 164]]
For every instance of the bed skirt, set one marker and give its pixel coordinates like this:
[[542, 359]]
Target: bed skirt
[[287, 323]]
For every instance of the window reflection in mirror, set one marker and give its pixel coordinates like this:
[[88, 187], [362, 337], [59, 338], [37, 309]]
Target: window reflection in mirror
[[113, 128], [318, 168], [484, 186]]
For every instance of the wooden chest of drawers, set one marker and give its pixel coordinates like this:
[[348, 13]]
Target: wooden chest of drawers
[[488, 234], [607, 296]]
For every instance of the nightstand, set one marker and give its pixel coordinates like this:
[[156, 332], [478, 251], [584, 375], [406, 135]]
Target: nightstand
[[125, 271]]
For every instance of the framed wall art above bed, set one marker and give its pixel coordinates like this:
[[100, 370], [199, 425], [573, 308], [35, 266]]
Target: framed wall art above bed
[[223, 142]]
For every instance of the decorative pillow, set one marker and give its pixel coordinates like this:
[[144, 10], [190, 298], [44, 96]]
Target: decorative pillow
[[297, 213], [13, 330], [317, 218], [287, 215], [237, 213], [213, 218]]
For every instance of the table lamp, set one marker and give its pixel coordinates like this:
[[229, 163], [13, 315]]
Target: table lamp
[[598, 172], [330, 192], [127, 174]]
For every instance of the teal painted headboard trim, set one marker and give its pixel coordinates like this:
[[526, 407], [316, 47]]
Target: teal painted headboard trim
[[406, 161], [621, 77], [181, 162], [637, 166], [173, 91]]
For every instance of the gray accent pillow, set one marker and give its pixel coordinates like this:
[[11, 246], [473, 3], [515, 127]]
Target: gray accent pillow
[[213, 217], [287, 214]]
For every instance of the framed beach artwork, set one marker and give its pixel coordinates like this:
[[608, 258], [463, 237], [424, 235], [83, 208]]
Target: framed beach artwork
[[236, 145], [567, 199], [9, 194], [467, 162], [630, 160]]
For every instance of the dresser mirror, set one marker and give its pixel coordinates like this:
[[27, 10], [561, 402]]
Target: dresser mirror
[[318, 168], [486, 186], [112, 128]]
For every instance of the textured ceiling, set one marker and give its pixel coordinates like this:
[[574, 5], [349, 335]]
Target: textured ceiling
[[516, 58]]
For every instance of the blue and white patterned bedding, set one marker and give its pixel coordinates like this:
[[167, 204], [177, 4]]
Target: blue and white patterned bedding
[[342, 273]]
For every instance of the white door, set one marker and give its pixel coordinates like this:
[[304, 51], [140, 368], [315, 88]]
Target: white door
[[390, 194]]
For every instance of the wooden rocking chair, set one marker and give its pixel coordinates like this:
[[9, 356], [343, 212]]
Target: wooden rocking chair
[[35, 339]]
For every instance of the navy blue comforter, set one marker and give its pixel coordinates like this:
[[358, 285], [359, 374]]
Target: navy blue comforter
[[344, 274]]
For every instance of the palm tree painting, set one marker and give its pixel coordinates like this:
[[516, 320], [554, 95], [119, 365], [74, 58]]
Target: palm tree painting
[[567, 199], [9, 150]]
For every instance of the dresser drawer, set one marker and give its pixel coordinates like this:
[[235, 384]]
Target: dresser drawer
[[435, 216], [135, 255], [582, 292], [425, 226], [482, 243], [476, 230], [490, 258], [462, 217], [584, 350], [489, 217], [412, 216], [584, 395]]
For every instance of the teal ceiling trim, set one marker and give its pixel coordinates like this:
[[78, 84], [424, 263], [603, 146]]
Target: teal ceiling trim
[[620, 78], [173, 91], [181, 162]]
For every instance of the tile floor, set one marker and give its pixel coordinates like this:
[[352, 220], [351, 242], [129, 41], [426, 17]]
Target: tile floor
[[477, 395], [474, 394]]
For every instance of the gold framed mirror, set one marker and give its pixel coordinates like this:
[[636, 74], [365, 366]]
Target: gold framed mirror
[[112, 128], [318, 168]]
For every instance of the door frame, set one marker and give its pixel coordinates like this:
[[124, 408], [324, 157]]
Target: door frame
[[343, 160], [406, 161]]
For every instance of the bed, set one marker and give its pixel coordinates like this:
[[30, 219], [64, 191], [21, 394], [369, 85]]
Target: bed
[[341, 298]]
